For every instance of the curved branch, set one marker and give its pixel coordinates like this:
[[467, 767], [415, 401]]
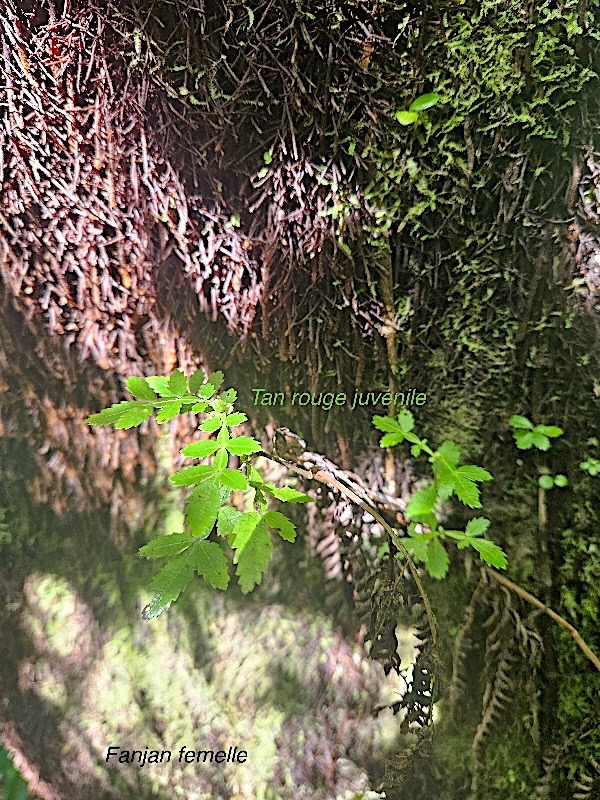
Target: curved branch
[[525, 595], [318, 474]]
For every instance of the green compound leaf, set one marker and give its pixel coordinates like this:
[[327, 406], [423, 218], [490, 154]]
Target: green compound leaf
[[202, 507], [549, 430], [477, 526], [406, 117], [211, 563], [211, 424], [200, 449], [216, 379], [451, 479], [254, 475], [418, 545], [140, 388], [178, 383], [108, 416], [422, 504], [227, 519], [197, 408], [474, 473], [387, 424], [277, 520], [466, 489], [448, 454], [170, 545], [490, 553], [221, 460], [424, 102], [160, 384], [168, 585], [243, 446], [197, 379], [229, 396], [253, 548], [437, 561], [235, 419], [286, 493], [523, 439], [391, 439], [190, 475], [520, 422], [234, 479], [540, 441], [406, 420], [206, 391], [428, 549], [134, 417], [168, 411], [223, 436]]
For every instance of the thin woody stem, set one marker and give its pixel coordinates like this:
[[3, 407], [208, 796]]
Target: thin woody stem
[[324, 477], [525, 595]]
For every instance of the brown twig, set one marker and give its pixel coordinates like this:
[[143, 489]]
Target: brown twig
[[321, 475], [525, 595]]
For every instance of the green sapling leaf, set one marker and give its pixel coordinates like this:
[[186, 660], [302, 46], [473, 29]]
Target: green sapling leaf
[[229, 396], [253, 547], [523, 439], [210, 424], [437, 561], [406, 420], [197, 379], [243, 446], [286, 493], [387, 424], [168, 585], [520, 422], [140, 388], [424, 102], [235, 419], [168, 546], [206, 391], [223, 436], [216, 379], [190, 475], [477, 526], [549, 430], [561, 481], [234, 479], [540, 440], [391, 439], [178, 383], [422, 503], [227, 519], [160, 384], [168, 411], [201, 449], [221, 459], [202, 507], [211, 563], [108, 416], [286, 528], [406, 117], [490, 553], [546, 481], [134, 417]]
